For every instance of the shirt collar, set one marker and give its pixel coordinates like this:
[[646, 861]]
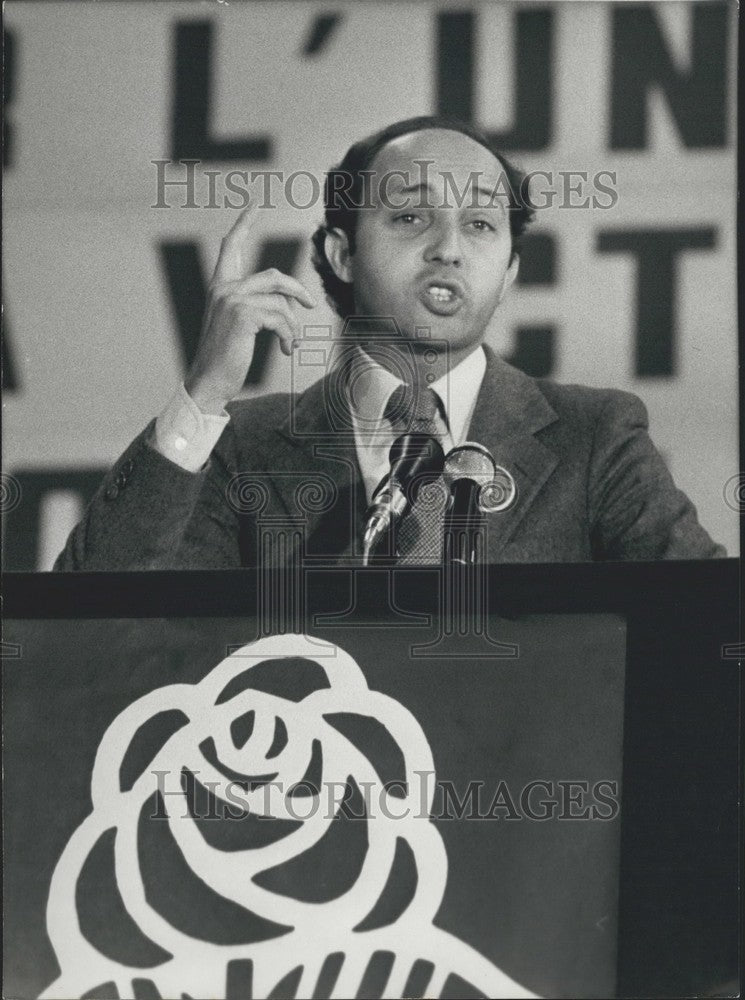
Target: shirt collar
[[458, 390], [372, 385]]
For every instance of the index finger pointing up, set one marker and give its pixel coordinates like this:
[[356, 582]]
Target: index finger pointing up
[[230, 264]]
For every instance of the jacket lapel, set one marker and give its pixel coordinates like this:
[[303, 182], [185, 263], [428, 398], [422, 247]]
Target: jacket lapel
[[319, 481], [509, 411]]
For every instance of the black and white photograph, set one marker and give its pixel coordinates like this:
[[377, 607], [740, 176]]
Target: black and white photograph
[[371, 499]]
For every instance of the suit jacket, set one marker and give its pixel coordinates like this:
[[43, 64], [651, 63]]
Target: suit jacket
[[283, 485]]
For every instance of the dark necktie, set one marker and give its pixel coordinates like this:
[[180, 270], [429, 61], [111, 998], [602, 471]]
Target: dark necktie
[[420, 534]]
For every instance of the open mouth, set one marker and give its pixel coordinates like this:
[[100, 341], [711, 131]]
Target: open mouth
[[442, 298]]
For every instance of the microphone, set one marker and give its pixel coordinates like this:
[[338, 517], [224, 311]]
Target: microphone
[[414, 459], [467, 470]]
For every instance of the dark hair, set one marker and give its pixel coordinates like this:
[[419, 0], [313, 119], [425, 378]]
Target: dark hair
[[344, 192]]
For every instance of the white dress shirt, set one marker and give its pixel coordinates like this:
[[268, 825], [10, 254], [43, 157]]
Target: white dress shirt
[[374, 435], [186, 435]]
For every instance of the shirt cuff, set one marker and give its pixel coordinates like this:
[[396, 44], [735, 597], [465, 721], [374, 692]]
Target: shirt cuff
[[185, 435]]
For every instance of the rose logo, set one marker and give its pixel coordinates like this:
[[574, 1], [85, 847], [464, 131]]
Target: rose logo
[[246, 759]]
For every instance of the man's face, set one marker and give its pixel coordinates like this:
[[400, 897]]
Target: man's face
[[437, 255]]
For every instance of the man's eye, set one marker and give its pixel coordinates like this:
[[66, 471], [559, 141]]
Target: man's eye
[[407, 217], [482, 225]]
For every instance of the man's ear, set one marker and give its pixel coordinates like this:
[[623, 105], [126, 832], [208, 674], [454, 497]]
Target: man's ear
[[336, 246], [509, 276]]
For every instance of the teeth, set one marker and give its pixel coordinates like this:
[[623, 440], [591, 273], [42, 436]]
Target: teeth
[[438, 292]]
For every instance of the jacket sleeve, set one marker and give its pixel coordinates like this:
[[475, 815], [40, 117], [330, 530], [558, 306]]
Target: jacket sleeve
[[637, 512], [145, 512]]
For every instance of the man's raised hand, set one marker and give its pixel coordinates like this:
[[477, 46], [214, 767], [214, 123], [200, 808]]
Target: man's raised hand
[[238, 306]]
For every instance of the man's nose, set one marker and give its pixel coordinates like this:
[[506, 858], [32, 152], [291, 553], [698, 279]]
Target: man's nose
[[444, 246]]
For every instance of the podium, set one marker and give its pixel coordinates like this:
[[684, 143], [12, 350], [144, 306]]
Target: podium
[[239, 784]]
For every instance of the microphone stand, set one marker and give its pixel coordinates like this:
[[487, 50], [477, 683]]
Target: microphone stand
[[464, 542], [464, 524], [477, 487], [467, 468]]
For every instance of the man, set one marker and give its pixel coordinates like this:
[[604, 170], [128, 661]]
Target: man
[[420, 245]]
